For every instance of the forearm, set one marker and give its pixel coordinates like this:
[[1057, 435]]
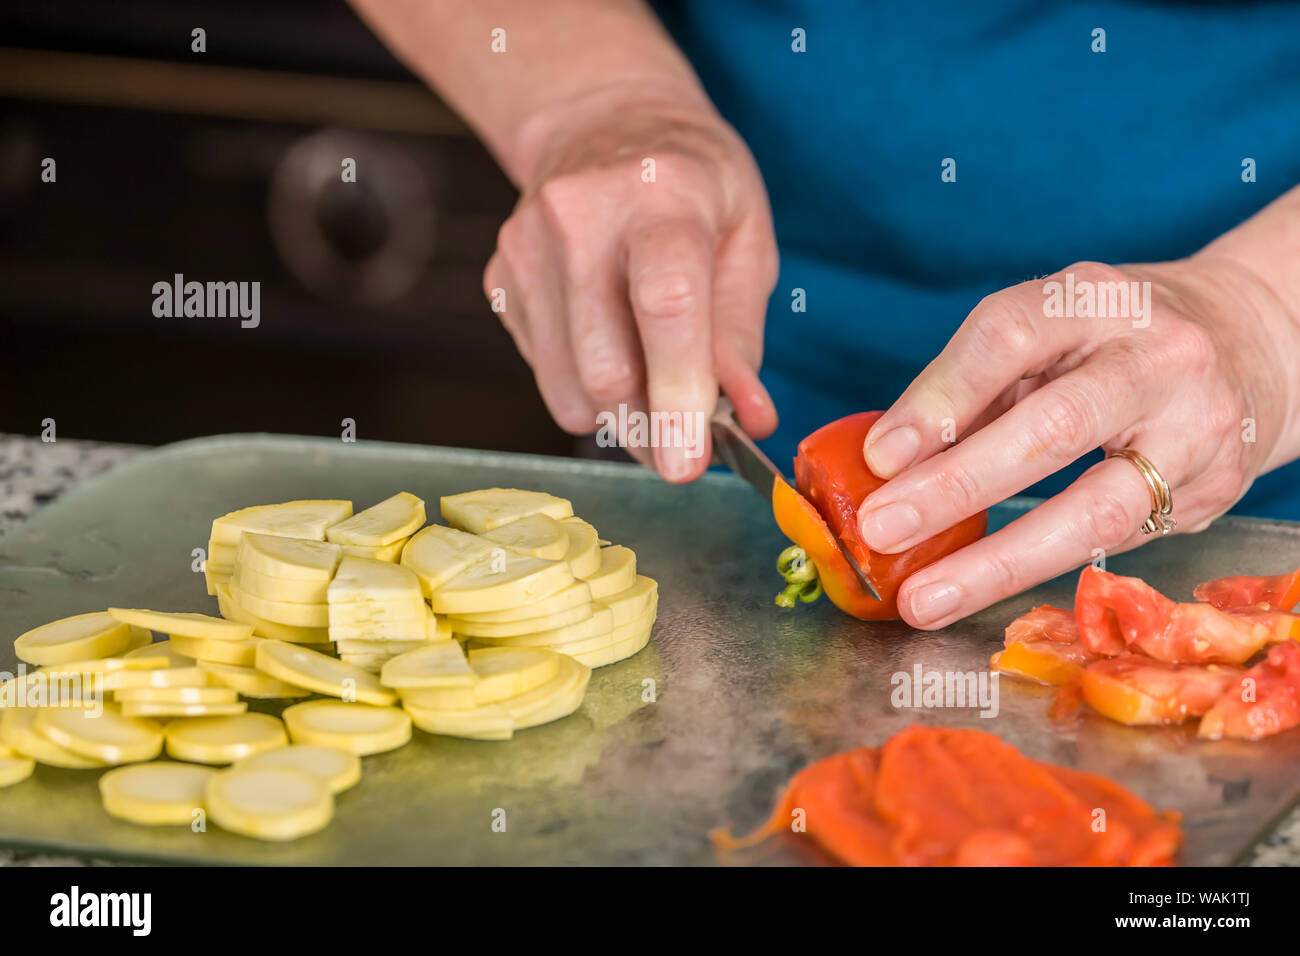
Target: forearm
[[560, 56], [1264, 252]]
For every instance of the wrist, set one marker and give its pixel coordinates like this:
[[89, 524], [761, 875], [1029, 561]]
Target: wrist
[[638, 108], [1259, 331]]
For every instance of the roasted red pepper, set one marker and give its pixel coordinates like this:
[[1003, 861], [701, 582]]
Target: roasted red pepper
[[937, 796], [833, 479]]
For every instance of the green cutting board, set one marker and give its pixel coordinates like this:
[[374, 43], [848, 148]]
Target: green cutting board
[[699, 730]]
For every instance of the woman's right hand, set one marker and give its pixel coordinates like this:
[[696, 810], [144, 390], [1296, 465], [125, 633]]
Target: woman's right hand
[[637, 266]]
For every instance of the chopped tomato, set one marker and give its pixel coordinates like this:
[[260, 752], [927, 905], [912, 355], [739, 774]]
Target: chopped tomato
[[1043, 645], [1043, 623], [832, 479], [940, 796], [1264, 701], [1132, 689], [1115, 613], [1281, 592], [1112, 611], [1201, 633]]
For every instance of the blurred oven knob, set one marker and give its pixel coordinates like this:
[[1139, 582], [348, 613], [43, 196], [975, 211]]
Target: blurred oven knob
[[364, 242]]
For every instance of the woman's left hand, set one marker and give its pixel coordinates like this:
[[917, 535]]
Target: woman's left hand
[[1198, 374]]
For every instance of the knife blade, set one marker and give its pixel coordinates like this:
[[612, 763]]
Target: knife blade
[[738, 452]]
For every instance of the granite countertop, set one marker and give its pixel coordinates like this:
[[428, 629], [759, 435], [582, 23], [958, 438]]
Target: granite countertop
[[33, 473]]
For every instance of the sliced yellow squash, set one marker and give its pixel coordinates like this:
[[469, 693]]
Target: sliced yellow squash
[[218, 740], [264, 628], [289, 519], [600, 624], [324, 675], [617, 572], [629, 604], [489, 722], [297, 559], [583, 555], [269, 803], [18, 731], [242, 653], [575, 595], [163, 710], [382, 524], [183, 624], [293, 590], [438, 664], [504, 581], [479, 511], [155, 794], [79, 637], [338, 768], [357, 728], [537, 536], [531, 625], [388, 552], [437, 554], [251, 682], [505, 672], [281, 612], [15, 768], [177, 695], [105, 735]]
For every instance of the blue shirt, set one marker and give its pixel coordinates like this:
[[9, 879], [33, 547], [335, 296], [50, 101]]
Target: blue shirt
[[1061, 154]]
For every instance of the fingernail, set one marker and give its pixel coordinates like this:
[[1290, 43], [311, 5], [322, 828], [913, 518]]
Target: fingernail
[[889, 525], [672, 462], [935, 601], [893, 451]]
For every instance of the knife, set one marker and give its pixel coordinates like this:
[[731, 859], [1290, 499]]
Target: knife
[[738, 452]]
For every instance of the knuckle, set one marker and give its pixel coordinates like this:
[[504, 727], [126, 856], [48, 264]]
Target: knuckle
[[999, 327], [1221, 486], [1107, 521], [511, 241], [1225, 412], [1188, 346], [1068, 419], [563, 198], [959, 490], [1004, 571], [606, 377], [666, 295], [1098, 272]]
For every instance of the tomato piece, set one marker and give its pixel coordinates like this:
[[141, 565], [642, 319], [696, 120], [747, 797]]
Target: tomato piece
[[832, 479], [1043, 646], [1265, 701], [1043, 623], [1113, 611], [1116, 613], [1132, 689], [1199, 632], [1280, 592]]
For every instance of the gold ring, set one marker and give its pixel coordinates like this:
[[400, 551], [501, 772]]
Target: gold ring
[[1162, 500]]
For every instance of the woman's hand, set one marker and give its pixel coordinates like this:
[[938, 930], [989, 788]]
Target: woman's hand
[[1200, 377], [637, 266]]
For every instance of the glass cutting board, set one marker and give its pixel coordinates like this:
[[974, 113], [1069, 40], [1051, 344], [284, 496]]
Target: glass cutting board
[[699, 730]]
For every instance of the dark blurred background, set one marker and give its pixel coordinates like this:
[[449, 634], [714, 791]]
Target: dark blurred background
[[224, 166]]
